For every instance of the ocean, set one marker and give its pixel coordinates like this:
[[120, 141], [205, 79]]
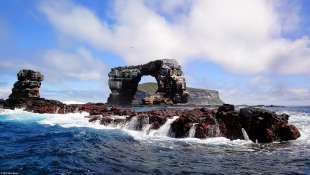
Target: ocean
[[68, 144]]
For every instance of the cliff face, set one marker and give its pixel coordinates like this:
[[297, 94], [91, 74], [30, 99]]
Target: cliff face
[[196, 96], [203, 97]]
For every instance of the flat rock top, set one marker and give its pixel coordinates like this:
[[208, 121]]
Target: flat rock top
[[27, 74], [197, 96]]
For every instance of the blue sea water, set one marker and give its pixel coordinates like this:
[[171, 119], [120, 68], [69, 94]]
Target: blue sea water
[[69, 144]]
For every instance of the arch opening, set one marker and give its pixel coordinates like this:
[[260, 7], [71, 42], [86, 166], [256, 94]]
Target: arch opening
[[171, 86], [147, 87]]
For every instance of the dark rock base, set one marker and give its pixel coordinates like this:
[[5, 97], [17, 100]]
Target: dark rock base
[[261, 125]]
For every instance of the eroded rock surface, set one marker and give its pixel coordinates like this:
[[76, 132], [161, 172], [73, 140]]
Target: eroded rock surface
[[123, 82], [260, 125], [28, 84], [265, 126]]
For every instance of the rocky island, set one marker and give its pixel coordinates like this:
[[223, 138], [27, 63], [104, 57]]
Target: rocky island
[[197, 97], [220, 120]]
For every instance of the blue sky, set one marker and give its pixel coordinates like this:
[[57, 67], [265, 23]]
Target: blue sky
[[253, 52]]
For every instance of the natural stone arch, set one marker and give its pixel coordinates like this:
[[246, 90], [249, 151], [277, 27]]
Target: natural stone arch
[[123, 82]]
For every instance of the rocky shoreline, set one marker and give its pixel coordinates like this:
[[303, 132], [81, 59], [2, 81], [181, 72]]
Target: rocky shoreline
[[256, 124], [260, 125]]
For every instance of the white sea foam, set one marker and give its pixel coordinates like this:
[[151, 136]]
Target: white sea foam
[[164, 129], [192, 131], [301, 120], [245, 134], [132, 124], [64, 120], [73, 102]]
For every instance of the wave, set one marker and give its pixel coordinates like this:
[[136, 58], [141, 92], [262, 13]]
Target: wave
[[301, 120]]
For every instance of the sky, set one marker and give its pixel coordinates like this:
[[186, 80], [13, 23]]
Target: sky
[[251, 51]]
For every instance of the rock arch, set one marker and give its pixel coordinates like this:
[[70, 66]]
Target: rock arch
[[123, 82]]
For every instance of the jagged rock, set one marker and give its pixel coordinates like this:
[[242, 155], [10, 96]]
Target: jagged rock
[[123, 81], [37, 105], [288, 132], [93, 108], [182, 125], [41, 105], [226, 108], [156, 99], [28, 84], [261, 125], [229, 122], [265, 126]]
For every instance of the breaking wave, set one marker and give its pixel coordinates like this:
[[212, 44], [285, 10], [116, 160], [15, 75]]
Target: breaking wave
[[79, 120], [300, 119], [70, 144]]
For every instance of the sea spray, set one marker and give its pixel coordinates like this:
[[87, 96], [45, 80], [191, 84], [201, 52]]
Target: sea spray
[[111, 148], [132, 124], [214, 130], [146, 129], [145, 123], [76, 110], [136, 123], [165, 128], [192, 131], [245, 134], [57, 110], [302, 121], [121, 122], [147, 134]]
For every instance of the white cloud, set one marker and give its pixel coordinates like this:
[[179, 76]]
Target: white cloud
[[274, 95], [59, 64], [260, 80], [78, 65], [241, 35], [302, 93], [296, 58], [76, 21], [60, 67]]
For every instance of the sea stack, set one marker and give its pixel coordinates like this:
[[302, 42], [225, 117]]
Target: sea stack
[[27, 85]]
